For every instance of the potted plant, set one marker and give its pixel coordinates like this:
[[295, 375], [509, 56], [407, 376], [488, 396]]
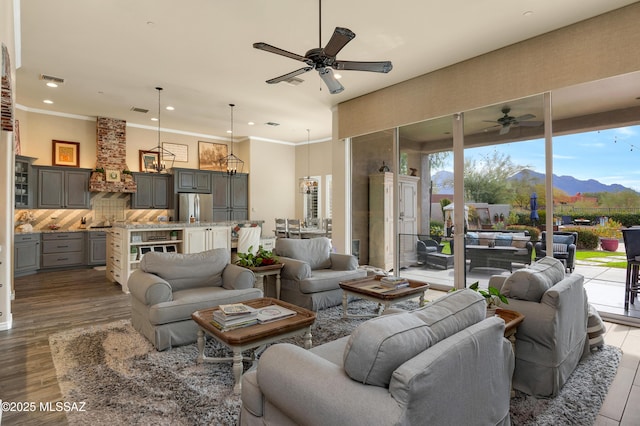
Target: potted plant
[[609, 233], [492, 296], [133, 253], [262, 257], [173, 235]]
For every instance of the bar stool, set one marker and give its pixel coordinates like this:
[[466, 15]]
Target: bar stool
[[631, 237]]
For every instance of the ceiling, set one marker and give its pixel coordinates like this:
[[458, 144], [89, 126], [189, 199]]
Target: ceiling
[[112, 54]]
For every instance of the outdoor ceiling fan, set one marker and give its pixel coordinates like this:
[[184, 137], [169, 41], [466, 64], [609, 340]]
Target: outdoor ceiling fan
[[324, 59], [506, 122]]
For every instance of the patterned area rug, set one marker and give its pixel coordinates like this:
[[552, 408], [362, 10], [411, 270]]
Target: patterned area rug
[[124, 380]]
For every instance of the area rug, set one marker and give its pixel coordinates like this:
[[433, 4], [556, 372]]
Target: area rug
[[122, 379]]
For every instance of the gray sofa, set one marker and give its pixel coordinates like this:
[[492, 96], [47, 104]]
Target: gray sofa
[[443, 364], [168, 287], [311, 274], [553, 336]]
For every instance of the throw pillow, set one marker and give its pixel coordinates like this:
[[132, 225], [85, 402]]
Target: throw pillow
[[532, 282], [378, 346], [504, 240], [486, 237], [595, 329], [472, 239], [559, 248], [315, 251], [520, 241]]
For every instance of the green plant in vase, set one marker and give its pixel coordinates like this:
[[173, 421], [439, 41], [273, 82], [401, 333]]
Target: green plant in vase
[[262, 257], [492, 296]]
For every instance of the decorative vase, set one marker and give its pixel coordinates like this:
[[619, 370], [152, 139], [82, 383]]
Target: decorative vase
[[491, 311]]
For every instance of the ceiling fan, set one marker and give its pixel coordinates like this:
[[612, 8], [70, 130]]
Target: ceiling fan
[[324, 59], [506, 122]]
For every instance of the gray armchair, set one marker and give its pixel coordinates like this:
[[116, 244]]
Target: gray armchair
[[564, 248], [312, 273]]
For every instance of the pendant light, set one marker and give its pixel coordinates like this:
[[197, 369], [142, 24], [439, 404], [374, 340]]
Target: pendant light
[[234, 164], [307, 184], [159, 165]]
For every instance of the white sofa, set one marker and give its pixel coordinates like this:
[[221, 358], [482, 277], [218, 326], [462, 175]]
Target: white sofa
[[168, 287], [443, 364], [553, 336]]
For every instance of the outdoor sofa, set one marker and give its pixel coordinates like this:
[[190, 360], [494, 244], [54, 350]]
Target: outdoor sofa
[[406, 368], [497, 249]]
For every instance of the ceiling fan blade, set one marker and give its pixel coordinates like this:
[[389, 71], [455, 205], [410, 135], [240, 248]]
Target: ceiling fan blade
[[327, 75], [381, 66], [268, 48], [289, 75], [525, 117], [530, 123], [339, 39], [505, 129]]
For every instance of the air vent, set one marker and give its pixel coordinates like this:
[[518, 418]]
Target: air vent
[[142, 110], [51, 78], [294, 81], [271, 123]]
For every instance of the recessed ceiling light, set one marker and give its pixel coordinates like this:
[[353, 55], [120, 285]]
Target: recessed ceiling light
[[52, 84], [154, 119], [337, 76], [251, 123], [228, 131], [528, 13], [47, 101], [170, 108]]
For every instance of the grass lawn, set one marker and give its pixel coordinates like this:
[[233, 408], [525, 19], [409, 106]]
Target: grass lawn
[[597, 255]]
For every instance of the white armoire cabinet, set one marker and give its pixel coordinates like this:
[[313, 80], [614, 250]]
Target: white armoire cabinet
[[381, 246]]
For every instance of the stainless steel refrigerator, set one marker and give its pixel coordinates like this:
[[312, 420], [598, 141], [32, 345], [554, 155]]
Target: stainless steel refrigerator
[[198, 206]]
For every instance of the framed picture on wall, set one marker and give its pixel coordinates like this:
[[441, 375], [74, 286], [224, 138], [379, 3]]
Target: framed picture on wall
[[211, 156], [147, 160], [66, 154]]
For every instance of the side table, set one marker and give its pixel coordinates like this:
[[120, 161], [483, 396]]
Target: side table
[[512, 321], [261, 272]]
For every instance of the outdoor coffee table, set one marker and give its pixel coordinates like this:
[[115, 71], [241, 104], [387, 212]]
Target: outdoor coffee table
[[363, 288], [256, 336]]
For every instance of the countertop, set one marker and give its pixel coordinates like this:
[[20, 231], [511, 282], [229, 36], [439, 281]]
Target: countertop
[[144, 225]]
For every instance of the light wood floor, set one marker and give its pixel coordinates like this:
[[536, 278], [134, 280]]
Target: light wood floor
[[54, 301]]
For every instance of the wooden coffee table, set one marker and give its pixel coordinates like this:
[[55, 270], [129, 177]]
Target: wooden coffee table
[[361, 287], [252, 337]]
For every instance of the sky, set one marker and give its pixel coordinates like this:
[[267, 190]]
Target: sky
[[608, 156]]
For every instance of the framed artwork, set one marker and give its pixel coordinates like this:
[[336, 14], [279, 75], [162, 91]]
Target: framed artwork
[[144, 250], [179, 150], [66, 154], [211, 156], [147, 158]]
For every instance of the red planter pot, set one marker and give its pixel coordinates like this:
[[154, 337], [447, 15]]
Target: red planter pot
[[609, 244]]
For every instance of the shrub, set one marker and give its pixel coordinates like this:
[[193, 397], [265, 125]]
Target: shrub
[[533, 231], [587, 239], [610, 229]]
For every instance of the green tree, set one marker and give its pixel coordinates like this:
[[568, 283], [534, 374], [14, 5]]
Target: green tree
[[486, 179]]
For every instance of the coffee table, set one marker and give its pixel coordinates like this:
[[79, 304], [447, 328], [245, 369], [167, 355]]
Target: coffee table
[[362, 287], [252, 337]]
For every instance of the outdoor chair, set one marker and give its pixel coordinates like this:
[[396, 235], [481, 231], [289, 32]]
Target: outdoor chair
[[426, 245], [564, 248]]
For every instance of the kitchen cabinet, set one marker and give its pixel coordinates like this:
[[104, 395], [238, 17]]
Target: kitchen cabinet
[[24, 182], [153, 191], [96, 248], [63, 249], [63, 188], [199, 239], [230, 196], [191, 180], [26, 254]]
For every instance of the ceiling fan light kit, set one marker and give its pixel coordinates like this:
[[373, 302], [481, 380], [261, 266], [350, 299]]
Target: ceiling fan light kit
[[506, 122], [324, 60]]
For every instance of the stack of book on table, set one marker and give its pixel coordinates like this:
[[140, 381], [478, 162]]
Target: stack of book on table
[[229, 317], [394, 282]]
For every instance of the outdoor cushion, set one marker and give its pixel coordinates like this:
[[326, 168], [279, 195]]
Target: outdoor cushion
[[559, 248], [472, 238], [520, 241], [563, 239], [187, 270], [315, 251], [532, 282], [486, 237], [504, 240]]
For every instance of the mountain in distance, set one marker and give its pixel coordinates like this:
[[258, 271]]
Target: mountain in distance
[[443, 183]]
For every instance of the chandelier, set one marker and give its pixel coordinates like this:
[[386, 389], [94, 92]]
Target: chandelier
[[234, 164], [159, 165], [308, 184]]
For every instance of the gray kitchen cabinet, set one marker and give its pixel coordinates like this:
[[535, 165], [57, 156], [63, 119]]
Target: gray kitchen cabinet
[[24, 182], [63, 188], [63, 249], [153, 191], [96, 248], [230, 196], [191, 180], [26, 254]]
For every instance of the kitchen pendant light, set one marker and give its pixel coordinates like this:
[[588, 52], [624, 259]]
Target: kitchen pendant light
[[159, 165], [234, 164], [308, 183]]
